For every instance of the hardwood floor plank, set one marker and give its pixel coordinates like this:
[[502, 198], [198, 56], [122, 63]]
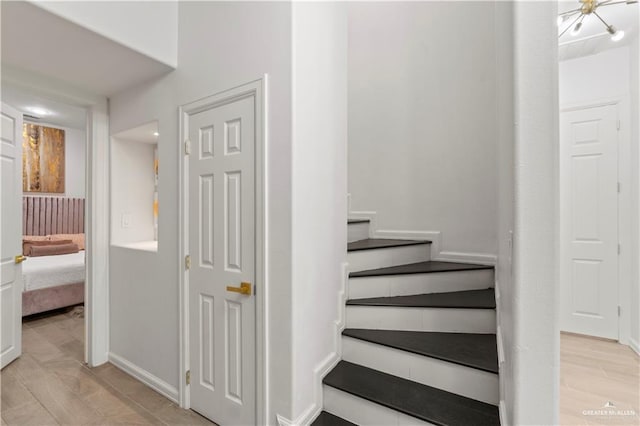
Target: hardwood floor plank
[[65, 406], [30, 414], [53, 334], [594, 372], [174, 415], [108, 404], [14, 394], [50, 384], [25, 368], [120, 380]]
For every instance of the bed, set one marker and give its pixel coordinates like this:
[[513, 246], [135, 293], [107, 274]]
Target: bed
[[52, 282]]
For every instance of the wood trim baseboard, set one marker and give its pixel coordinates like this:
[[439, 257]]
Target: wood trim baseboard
[[154, 382], [502, 412]]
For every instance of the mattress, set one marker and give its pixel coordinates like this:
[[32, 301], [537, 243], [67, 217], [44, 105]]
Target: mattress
[[51, 271]]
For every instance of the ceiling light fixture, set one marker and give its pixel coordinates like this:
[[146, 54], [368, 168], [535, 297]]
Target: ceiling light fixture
[[618, 35], [587, 8], [576, 28], [156, 134], [38, 110]]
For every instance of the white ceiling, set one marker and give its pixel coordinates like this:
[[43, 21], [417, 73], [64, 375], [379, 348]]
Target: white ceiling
[[60, 114], [593, 37], [39, 41], [146, 133]]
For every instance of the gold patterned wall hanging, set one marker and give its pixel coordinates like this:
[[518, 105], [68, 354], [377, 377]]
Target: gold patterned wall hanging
[[42, 159]]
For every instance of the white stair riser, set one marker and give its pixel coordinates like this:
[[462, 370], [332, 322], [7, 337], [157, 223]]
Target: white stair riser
[[403, 285], [421, 319], [363, 412], [466, 381], [357, 231], [362, 260]]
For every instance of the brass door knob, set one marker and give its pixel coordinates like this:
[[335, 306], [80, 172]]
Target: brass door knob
[[20, 258], [245, 288]]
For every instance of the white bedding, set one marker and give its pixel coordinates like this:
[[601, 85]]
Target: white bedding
[[51, 271]]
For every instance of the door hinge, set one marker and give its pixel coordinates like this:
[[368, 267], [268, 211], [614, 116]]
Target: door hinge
[[188, 377], [618, 124], [187, 147], [619, 248], [619, 310], [619, 187], [187, 262]]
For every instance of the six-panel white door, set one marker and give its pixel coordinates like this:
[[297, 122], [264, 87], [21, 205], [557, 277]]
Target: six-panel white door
[[222, 250], [11, 236], [589, 221]]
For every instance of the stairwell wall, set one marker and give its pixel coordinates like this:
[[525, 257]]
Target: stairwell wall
[[319, 177], [534, 351], [423, 149], [505, 219]]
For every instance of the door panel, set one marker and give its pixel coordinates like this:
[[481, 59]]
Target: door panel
[[222, 248], [10, 236], [589, 221]]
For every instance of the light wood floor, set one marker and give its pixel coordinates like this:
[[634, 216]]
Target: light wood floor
[[50, 385], [594, 372]]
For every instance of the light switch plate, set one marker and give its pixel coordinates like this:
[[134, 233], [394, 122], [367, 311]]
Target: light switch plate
[[126, 220]]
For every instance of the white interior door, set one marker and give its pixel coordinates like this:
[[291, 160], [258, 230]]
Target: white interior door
[[11, 236], [589, 221], [222, 251]]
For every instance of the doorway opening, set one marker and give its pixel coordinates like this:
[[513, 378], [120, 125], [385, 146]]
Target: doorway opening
[[53, 185], [81, 121], [598, 163]]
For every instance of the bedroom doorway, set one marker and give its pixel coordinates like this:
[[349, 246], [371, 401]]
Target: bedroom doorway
[[56, 191], [50, 190]]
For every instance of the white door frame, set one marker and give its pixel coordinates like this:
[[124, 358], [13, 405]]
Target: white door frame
[[96, 206], [257, 89], [625, 236]]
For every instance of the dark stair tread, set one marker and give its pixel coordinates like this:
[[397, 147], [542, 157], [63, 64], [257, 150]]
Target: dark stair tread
[[328, 419], [420, 268], [375, 243], [477, 351], [423, 402], [352, 221], [468, 299]]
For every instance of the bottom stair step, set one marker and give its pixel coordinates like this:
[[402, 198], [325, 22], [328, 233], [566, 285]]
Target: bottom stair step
[[423, 402], [328, 419]]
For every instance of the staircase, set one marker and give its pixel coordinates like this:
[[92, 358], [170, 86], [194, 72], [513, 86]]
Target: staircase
[[419, 346]]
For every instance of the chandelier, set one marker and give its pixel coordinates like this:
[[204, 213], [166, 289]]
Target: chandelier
[[590, 7]]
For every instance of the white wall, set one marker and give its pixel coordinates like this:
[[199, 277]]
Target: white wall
[[148, 27], [422, 119], [533, 348], [75, 157], [144, 306], [505, 296], [75, 149], [594, 78], [634, 65], [319, 200], [132, 187]]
